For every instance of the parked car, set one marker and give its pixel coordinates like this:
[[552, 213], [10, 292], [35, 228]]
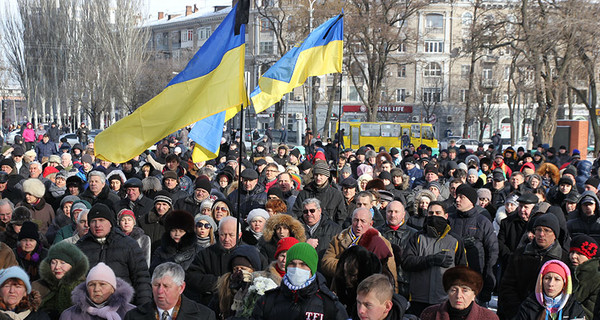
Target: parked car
[[93, 134], [71, 138], [446, 141], [10, 137], [471, 144]]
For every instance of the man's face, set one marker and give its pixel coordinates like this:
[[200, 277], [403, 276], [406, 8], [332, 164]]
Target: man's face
[[588, 208], [100, 227], [281, 152], [271, 173], [249, 184], [17, 158], [45, 139], [320, 179], [311, 214], [438, 211], [364, 202], [65, 160], [361, 221], [6, 168], [82, 224], [349, 193], [516, 180], [591, 188], [285, 183], [497, 185], [544, 236], [409, 165], [170, 183], [525, 210], [166, 293], [5, 213], [161, 208], [463, 203], [369, 307], [386, 167], [34, 171], [452, 155], [3, 186], [172, 165], [394, 213], [431, 176], [397, 180], [227, 236], [200, 194], [133, 193]]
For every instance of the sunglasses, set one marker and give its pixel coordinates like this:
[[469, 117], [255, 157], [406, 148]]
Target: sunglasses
[[203, 225], [306, 211], [224, 209]]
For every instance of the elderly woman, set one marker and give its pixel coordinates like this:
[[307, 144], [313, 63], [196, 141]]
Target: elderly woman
[[127, 223], [63, 269], [462, 285], [81, 226], [257, 219], [552, 298], [278, 227], [41, 212], [220, 209], [363, 180], [17, 299], [179, 242], [102, 296], [29, 251], [205, 227]]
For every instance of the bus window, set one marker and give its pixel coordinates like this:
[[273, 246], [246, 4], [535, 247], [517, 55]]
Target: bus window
[[370, 130], [427, 133], [355, 136], [406, 130], [346, 128], [390, 130], [415, 131]]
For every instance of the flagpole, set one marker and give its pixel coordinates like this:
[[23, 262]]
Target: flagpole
[[239, 170], [339, 130]]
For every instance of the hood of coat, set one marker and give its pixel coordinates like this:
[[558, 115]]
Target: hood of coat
[[121, 297], [296, 228]]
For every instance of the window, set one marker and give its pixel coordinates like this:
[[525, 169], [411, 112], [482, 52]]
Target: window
[[464, 95], [264, 25], [432, 95], [487, 74], [467, 19], [487, 98], [266, 47], [434, 46], [432, 69], [338, 93], [427, 132], [464, 70], [402, 71], [434, 23], [204, 33], [370, 130], [402, 47], [353, 94], [400, 95], [506, 73], [390, 130], [187, 35]]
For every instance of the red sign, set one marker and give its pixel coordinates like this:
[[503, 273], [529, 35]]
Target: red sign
[[390, 108]]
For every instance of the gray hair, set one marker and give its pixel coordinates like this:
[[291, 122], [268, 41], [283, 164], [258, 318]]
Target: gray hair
[[169, 269], [65, 155], [151, 183], [98, 174], [81, 214], [314, 201], [229, 218], [4, 202], [209, 172], [35, 163]]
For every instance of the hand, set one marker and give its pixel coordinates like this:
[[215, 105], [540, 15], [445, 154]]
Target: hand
[[439, 259], [313, 242], [247, 276]]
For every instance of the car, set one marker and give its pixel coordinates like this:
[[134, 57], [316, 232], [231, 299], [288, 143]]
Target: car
[[10, 137], [446, 141], [471, 144], [93, 134], [71, 138]]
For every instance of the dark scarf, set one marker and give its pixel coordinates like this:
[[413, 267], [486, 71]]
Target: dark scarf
[[456, 314], [33, 256]]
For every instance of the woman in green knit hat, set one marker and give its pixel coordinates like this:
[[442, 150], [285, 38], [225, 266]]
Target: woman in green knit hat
[[63, 269]]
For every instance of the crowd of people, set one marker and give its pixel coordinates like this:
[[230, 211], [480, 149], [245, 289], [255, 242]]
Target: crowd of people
[[313, 232]]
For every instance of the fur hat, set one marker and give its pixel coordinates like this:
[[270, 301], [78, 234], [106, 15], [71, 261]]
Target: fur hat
[[373, 242], [179, 219], [296, 228], [376, 184], [462, 276], [15, 273], [258, 212], [102, 272], [68, 253], [20, 215], [34, 187]]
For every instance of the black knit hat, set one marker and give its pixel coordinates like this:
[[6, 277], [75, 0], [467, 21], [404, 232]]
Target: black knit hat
[[202, 183], [100, 210], [547, 220], [584, 245], [250, 253], [29, 230], [276, 191], [593, 181], [467, 191], [179, 219]]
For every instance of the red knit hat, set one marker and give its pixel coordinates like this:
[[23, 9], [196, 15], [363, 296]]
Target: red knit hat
[[49, 170], [556, 268], [125, 212], [285, 244]]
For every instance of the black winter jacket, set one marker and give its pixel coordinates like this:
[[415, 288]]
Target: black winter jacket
[[530, 309], [154, 227], [256, 198], [511, 231], [182, 253], [187, 310], [141, 207], [399, 239], [332, 202], [519, 279], [588, 225], [201, 276], [324, 232], [124, 256], [315, 301], [106, 196]]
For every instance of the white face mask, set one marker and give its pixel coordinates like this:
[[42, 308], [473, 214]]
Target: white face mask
[[297, 276]]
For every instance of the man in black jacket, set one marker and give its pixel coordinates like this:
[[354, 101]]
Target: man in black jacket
[[252, 195], [191, 204], [98, 192], [106, 243], [514, 226], [320, 188], [167, 288], [136, 201], [212, 262], [319, 229]]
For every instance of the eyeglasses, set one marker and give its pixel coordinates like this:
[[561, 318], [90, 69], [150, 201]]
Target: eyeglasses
[[224, 209], [306, 211], [272, 171], [203, 225]]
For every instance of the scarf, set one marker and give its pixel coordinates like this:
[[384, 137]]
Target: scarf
[[256, 235], [175, 310], [105, 312], [353, 238], [295, 288], [553, 306], [17, 316], [203, 242], [459, 314], [312, 229], [34, 257], [281, 272]]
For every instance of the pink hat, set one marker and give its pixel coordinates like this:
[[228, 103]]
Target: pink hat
[[102, 272]]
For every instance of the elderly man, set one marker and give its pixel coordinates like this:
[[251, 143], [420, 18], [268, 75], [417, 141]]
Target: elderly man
[[66, 161], [136, 201], [514, 226], [318, 228], [361, 222], [168, 300], [212, 262], [252, 194], [192, 203], [320, 188], [153, 222], [6, 210], [106, 243], [397, 232], [98, 192]]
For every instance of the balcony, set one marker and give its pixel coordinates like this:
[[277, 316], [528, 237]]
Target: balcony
[[489, 83]]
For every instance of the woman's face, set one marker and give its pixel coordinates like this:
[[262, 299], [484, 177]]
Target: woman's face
[[483, 202], [577, 258], [28, 245], [510, 207], [115, 184], [553, 284], [127, 223], [484, 167], [534, 183], [59, 268], [281, 260], [203, 229], [258, 224], [282, 231], [67, 208], [363, 184], [472, 178], [424, 203], [177, 234], [220, 211], [12, 292], [99, 291], [460, 297], [31, 199]]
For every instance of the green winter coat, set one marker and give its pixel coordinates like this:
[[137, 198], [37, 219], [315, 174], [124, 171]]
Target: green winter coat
[[588, 285]]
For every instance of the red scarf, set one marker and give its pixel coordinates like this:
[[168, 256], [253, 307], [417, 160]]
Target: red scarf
[[281, 272]]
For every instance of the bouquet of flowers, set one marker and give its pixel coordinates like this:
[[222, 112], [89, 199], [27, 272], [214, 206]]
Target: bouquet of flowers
[[257, 289]]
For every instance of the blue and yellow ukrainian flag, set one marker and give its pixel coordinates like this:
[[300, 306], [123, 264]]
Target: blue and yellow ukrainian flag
[[320, 53], [211, 83]]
